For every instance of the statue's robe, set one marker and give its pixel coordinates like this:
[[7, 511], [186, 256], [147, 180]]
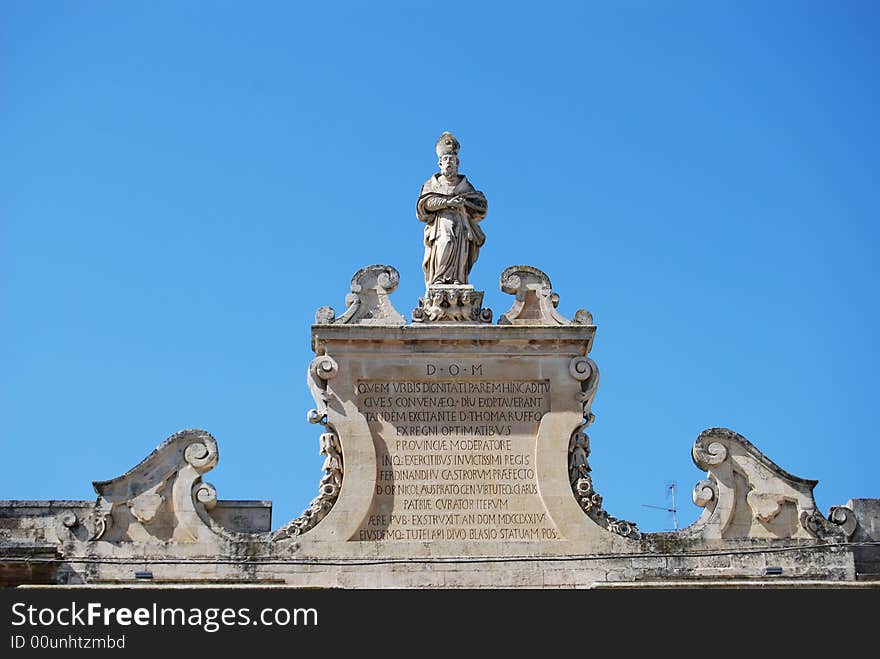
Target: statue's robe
[[453, 236]]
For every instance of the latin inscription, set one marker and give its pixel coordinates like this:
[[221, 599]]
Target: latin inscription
[[455, 456]]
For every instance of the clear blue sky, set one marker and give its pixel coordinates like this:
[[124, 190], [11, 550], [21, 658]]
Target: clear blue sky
[[183, 184]]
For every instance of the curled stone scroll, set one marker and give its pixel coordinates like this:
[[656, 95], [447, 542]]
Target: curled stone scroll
[[163, 498], [746, 495], [535, 302], [322, 369], [368, 302]]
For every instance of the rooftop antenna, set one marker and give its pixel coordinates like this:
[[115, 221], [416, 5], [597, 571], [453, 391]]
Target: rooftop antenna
[[670, 491]]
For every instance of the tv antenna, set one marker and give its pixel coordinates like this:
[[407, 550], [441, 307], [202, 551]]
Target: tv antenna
[[670, 491]]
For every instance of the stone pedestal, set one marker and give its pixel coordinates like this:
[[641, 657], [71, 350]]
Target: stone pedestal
[[457, 303], [456, 441], [453, 437]]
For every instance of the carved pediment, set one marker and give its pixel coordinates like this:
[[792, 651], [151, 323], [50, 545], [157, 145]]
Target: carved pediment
[[747, 495], [368, 302], [535, 302], [163, 498]]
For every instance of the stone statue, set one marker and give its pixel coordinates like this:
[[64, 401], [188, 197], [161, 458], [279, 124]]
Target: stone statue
[[451, 209]]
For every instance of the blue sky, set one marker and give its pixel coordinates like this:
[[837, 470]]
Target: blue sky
[[183, 184]]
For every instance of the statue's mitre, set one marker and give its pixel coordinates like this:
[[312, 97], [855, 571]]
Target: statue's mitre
[[447, 145]]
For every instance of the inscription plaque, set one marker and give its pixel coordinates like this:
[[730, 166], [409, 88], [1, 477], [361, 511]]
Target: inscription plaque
[[455, 457]]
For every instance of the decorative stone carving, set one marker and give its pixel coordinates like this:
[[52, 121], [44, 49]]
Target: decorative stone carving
[[368, 303], [452, 303], [746, 495], [163, 498], [69, 519], [452, 210], [535, 302], [69, 527], [705, 492], [767, 505], [589, 500], [708, 455], [586, 372], [329, 488], [103, 518], [322, 369], [841, 523], [145, 506]]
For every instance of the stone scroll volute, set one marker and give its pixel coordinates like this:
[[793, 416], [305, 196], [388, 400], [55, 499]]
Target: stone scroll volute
[[747, 495], [535, 302], [162, 499], [368, 302]]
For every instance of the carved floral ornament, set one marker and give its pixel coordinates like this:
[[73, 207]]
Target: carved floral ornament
[[585, 371], [321, 370], [451, 303], [328, 490]]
